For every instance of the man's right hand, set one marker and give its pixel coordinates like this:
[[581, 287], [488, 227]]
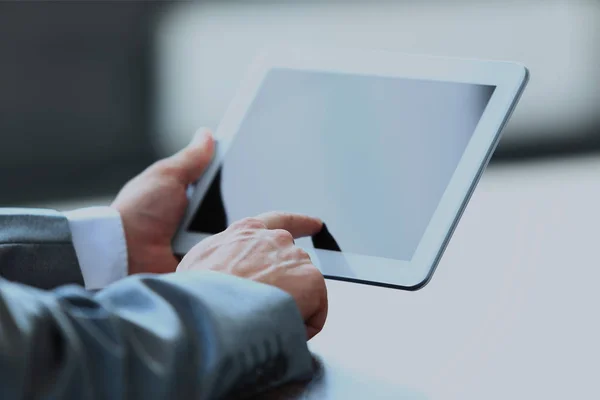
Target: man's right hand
[[263, 249]]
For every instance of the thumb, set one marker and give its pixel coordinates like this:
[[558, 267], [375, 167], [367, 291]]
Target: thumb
[[188, 164]]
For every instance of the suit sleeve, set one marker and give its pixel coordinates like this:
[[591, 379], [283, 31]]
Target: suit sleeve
[[46, 249], [193, 335], [36, 248]]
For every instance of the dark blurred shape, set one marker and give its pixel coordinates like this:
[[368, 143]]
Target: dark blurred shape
[[211, 216], [324, 240], [75, 96]]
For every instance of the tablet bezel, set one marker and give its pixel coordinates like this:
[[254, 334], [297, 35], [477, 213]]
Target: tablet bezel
[[509, 80]]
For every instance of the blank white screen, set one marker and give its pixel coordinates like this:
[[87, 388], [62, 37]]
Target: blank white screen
[[371, 156]]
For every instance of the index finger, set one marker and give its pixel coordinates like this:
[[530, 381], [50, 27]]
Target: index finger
[[297, 224]]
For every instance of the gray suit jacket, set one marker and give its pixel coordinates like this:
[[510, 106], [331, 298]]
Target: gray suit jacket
[[197, 335]]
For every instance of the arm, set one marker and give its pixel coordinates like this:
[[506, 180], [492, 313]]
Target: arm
[[196, 335], [85, 247], [202, 335]]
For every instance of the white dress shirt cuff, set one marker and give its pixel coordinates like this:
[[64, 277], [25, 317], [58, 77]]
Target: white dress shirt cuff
[[99, 241]]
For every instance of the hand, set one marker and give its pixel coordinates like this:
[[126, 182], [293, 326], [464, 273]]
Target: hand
[[153, 203], [263, 249]]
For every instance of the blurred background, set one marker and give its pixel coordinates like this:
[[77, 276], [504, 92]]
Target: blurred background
[[92, 92]]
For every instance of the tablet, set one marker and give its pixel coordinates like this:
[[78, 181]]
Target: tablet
[[385, 148]]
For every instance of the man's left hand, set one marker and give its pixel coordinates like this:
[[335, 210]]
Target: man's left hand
[[153, 203]]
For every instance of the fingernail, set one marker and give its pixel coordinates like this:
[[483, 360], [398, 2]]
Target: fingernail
[[201, 135]]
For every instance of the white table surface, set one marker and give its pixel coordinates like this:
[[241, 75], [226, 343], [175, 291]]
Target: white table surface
[[511, 313]]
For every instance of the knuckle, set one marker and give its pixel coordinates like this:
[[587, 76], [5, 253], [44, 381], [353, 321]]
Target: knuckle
[[300, 254], [249, 223], [162, 167], [282, 236], [245, 232], [278, 216], [287, 219]]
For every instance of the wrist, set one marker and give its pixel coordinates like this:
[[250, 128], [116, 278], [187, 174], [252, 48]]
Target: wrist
[[128, 238], [148, 250]]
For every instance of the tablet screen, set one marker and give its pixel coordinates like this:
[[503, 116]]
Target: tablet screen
[[371, 156]]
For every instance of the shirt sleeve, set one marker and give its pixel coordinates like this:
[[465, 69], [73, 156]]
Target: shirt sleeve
[[99, 242]]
